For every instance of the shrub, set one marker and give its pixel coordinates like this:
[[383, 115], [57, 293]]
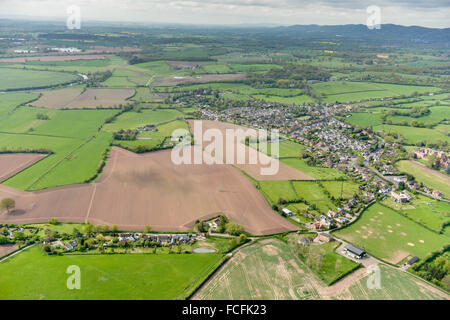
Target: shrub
[[234, 228]]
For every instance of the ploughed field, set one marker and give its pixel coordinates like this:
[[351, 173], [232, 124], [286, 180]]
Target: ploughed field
[[72, 98], [138, 190], [10, 164]]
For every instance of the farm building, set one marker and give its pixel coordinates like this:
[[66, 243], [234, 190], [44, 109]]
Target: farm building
[[437, 194], [412, 260], [287, 212], [354, 251], [325, 237]]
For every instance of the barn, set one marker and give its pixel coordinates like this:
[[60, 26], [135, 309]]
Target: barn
[[354, 251]]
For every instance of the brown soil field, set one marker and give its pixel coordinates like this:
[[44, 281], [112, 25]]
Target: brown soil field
[[149, 189], [7, 248], [57, 99], [113, 49], [201, 78], [254, 161], [55, 58], [12, 163], [72, 98], [180, 64]]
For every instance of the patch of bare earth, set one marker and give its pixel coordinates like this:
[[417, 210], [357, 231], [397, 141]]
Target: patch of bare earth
[[181, 64], [93, 98], [201, 78], [256, 164], [12, 163], [57, 99], [7, 249], [149, 189]]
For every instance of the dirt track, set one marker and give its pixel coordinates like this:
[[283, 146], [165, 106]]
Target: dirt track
[[138, 190], [11, 163]]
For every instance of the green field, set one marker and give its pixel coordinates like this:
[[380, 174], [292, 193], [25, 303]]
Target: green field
[[9, 101], [344, 91], [266, 270], [286, 149], [132, 120], [395, 285], [72, 136], [364, 119], [412, 134], [320, 173], [271, 271], [429, 212], [163, 133], [24, 79], [124, 277], [388, 235], [313, 193], [273, 190], [341, 189], [328, 265], [429, 177]]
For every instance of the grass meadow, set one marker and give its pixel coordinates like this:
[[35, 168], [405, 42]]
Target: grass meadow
[[429, 177], [33, 275], [388, 235]]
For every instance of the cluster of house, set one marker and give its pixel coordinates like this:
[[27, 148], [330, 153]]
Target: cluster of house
[[66, 50], [401, 197], [22, 51], [161, 239], [10, 229], [442, 160]]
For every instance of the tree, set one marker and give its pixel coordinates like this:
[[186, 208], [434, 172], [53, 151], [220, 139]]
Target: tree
[[7, 204], [53, 221], [147, 229], [234, 228]]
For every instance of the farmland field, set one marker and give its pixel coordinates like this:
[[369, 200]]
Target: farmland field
[[429, 212], [276, 190], [341, 189], [10, 101], [388, 235], [24, 79], [132, 120], [312, 192], [319, 173], [412, 134], [286, 149], [270, 270], [429, 177], [133, 190], [342, 91], [125, 277], [64, 133]]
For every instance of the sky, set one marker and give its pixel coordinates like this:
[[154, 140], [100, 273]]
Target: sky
[[429, 13]]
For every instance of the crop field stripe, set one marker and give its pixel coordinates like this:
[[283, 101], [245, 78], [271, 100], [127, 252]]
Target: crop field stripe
[[59, 162]]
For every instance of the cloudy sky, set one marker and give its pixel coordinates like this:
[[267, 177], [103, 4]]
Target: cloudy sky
[[430, 13]]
